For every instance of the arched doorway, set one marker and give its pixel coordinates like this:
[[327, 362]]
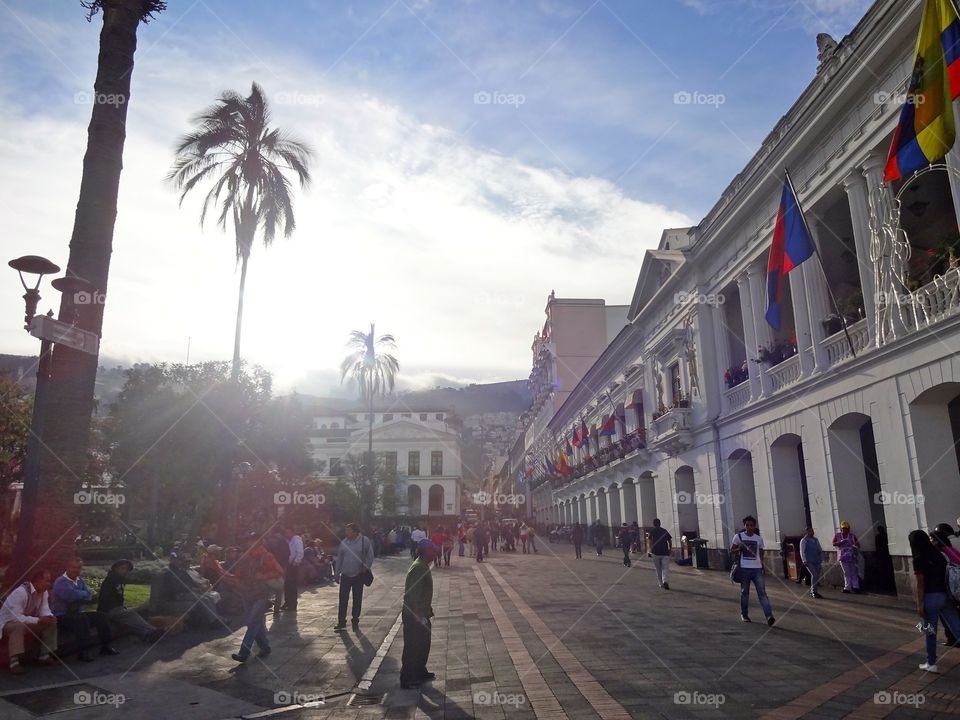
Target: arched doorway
[[616, 514], [792, 500], [935, 418], [628, 494], [686, 500], [743, 491], [646, 499], [414, 499], [435, 500]]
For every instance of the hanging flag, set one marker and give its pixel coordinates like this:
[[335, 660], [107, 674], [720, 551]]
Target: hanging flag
[[584, 434], [609, 427], [926, 130], [791, 246], [563, 464], [577, 438], [621, 414], [551, 468]]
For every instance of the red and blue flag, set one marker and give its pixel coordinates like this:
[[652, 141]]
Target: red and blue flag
[[791, 245]]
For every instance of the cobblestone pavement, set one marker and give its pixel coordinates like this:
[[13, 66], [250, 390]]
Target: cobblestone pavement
[[543, 636]]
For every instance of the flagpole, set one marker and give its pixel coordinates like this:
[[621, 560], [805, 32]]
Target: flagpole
[[816, 251]]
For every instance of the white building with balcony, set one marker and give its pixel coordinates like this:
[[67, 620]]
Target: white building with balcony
[[811, 425]]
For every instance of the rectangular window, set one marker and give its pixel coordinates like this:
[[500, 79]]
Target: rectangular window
[[390, 464], [387, 418], [675, 383], [436, 462], [439, 416], [423, 416], [335, 468], [413, 463], [406, 416]]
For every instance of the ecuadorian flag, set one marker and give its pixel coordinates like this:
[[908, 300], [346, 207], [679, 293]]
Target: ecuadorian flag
[[926, 131], [791, 246]]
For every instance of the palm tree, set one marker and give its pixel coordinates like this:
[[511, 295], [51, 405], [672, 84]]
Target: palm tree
[[65, 415], [373, 369], [234, 144]]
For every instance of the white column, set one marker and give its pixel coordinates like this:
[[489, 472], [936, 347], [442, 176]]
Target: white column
[[953, 162], [801, 319], [720, 338], [749, 336], [858, 196], [762, 331], [818, 301]]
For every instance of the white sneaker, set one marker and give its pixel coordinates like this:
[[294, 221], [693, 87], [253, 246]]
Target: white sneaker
[[928, 667]]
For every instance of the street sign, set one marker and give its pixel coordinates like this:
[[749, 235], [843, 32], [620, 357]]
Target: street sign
[[47, 328]]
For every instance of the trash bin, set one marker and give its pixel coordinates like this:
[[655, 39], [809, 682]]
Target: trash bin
[[700, 557]]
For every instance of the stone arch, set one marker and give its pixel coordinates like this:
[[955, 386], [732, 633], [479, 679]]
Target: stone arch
[[856, 475], [935, 419], [686, 499], [414, 500], [791, 497], [742, 487]]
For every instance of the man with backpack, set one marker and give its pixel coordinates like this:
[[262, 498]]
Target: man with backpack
[[940, 537]]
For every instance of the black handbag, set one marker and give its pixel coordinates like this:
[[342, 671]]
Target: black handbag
[[736, 576], [367, 574]]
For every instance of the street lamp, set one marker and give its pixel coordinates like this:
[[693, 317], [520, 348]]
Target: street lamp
[[32, 265]]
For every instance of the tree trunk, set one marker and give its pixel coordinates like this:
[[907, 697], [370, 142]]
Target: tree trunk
[[235, 372], [73, 373]]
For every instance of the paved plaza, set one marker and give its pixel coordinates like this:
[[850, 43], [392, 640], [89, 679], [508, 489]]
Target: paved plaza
[[536, 636]]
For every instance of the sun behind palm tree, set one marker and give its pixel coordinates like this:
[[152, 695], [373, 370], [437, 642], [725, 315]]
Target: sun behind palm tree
[[235, 145]]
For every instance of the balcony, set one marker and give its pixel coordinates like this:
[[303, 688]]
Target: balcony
[[629, 446], [785, 373], [837, 347], [737, 396], [672, 430]]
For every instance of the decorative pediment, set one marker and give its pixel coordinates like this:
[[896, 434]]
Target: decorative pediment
[[404, 430]]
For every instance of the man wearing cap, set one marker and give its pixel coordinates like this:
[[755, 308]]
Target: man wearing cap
[[111, 604], [848, 551], [417, 611]]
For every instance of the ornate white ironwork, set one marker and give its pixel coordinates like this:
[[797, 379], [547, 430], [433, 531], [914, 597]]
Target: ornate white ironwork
[[898, 308]]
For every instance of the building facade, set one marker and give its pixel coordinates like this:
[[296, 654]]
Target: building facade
[[717, 415], [418, 451]]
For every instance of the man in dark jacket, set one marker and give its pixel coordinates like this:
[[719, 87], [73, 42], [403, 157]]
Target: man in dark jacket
[[111, 603], [479, 541], [417, 611], [278, 546]]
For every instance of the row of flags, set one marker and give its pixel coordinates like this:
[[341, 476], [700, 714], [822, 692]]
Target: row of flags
[[925, 134], [558, 462]]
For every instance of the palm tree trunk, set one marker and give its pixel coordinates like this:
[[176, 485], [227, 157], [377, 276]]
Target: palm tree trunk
[[364, 505], [73, 373], [235, 371]]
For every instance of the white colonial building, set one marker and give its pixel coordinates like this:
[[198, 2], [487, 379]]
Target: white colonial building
[[724, 417], [418, 448]]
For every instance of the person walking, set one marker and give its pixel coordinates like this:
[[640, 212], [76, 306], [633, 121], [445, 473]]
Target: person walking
[[625, 541], [933, 599], [479, 541], [111, 604], [598, 534], [811, 554], [940, 537], [438, 539], [848, 552], [532, 537], [27, 610], [68, 596], [354, 560], [447, 548], [523, 538], [416, 614], [748, 548], [291, 575], [659, 551], [278, 546], [461, 541], [259, 574], [576, 537], [416, 536]]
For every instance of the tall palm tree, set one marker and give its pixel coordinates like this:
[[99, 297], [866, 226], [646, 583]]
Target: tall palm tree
[[234, 145], [373, 368], [65, 416]]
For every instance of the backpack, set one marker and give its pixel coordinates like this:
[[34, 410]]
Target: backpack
[[953, 578]]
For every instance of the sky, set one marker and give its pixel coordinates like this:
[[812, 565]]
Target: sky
[[470, 156]]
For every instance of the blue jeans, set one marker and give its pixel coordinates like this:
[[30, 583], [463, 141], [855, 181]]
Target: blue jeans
[[256, 627], [935, 604], [754, 575]]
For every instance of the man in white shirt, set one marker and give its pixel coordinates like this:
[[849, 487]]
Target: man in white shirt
[[416, 536], [748, 545], [27, 610], [291, 577]]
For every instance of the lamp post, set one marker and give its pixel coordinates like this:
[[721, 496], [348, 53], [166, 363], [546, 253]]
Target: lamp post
[[39, 266]]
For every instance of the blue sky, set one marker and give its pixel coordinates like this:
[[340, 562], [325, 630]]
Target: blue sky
[[472, 155]]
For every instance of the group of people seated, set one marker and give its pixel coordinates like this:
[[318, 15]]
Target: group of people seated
[[42, 607]]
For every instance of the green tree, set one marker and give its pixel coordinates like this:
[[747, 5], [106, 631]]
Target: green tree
[[234, 145], [16, 410]]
